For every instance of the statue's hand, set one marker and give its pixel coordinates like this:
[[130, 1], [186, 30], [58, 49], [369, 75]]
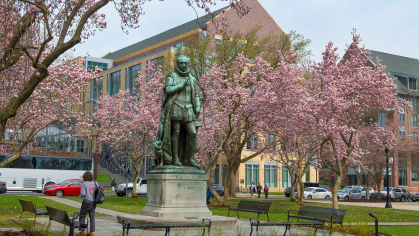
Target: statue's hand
[[186, 82]]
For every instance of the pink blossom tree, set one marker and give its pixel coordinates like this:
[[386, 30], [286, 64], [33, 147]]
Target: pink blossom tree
[[50, 102], [339, 93], [129, 120], [237, 112], [37, 33]]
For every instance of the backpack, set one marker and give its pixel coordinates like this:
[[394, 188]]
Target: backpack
[[99, 195]]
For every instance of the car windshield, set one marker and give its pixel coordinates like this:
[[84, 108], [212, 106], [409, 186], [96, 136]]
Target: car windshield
[[65, 182], [345, 190], [309, 189]]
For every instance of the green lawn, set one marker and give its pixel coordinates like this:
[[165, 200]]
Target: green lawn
[[103, 178], [10, 209], [408, 230], [277, 212]]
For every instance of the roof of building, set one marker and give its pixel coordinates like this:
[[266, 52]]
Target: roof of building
[[171, 33], [399, 64]]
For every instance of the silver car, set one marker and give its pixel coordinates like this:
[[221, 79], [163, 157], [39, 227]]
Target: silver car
[[351, 193]]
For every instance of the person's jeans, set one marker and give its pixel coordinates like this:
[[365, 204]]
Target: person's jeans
[[258, 194], [266, 195], [251, 192], [88, 207]]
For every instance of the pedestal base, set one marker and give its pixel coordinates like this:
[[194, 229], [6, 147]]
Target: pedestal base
[[175, 192]]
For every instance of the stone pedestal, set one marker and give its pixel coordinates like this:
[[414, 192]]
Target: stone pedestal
[[176, 191]]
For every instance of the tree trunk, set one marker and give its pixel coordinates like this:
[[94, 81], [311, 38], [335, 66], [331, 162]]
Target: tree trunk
[[300, 192], [292, 190], [134, 184], [221, 202], [335, 190], [232, 180]]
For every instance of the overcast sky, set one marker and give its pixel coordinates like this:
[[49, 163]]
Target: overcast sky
[[384, 25]]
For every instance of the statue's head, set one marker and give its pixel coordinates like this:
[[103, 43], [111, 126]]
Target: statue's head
[[182, 63]]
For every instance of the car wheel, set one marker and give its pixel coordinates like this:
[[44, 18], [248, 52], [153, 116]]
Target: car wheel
[[403, 199], [59, 193], [327, 197], [120, 194], [309, 197], [286, 195], [129, 193], [362, 197], [346, 198]]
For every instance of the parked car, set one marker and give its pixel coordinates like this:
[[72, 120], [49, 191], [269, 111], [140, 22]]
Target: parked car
[[375, 195], [398, 193], [351, 193], [3, 188], [309, 184], [365, 192], [219, 189], [415, 197], [70, 187], [126, 189], [354, 186], [315, 192], [325, 187], [287, 191]]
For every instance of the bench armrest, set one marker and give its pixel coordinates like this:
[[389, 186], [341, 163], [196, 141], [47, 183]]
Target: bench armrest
[[76, 214]]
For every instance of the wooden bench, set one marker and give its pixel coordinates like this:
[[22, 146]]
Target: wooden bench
[[61, 217], [251, 206], [127, 226], [287, 225], [31, 207], [322, 214]]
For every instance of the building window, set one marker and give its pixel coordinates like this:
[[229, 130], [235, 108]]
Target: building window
[[252, 143], [218, 41], [270, 139], [414, 102], [412, 83], [178, 48], [401, 118], [308, 174], [252, 174], [285, 174], [92, 65], [353, 180], [401, 133], [414, 121], [223, 173], [158, 61], [403, 178], [132, 75], [415, 176], [115, 83], [415, 136], [97, 86], [270, 175], [381, 119]]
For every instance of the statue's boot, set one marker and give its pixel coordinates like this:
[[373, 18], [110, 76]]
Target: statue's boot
[[191, 154], [175, 152]]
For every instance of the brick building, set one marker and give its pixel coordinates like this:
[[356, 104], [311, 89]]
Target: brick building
[[405, 171]]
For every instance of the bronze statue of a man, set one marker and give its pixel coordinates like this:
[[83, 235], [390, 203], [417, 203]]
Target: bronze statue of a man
[[177, 140]]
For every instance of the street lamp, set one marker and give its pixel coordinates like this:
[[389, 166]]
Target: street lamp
[[388, 202]]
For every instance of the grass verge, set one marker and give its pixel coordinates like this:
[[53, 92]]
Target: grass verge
[[405, 230], [103, 178], [10, 209]]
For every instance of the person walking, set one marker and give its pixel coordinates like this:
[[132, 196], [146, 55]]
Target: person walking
[[113, 184], [259, 189], [266, 190], [87, 191], [252, 189]]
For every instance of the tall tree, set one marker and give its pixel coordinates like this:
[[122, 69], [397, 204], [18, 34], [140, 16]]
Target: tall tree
[[36, 33], [340, 92], [51, 102], [129, 120]]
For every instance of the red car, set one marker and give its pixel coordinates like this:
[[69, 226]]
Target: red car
[[70, 187]]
